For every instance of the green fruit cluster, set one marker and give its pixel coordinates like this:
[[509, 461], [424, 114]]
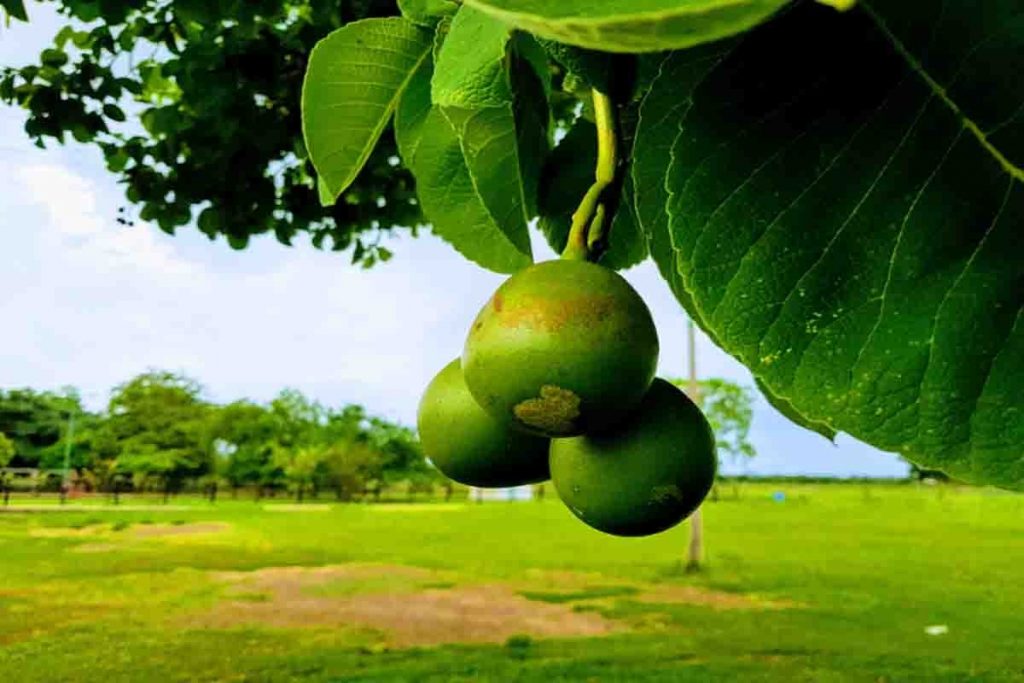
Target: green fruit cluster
[[557, 381]]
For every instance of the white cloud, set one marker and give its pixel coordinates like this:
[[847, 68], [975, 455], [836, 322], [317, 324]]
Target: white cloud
[[88, 237]]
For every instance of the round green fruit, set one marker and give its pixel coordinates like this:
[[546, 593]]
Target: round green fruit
[[646, 476], [470, 446], [562, 348]]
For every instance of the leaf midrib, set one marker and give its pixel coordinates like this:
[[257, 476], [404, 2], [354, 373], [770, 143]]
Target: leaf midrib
[[646, 17], [943, 94]]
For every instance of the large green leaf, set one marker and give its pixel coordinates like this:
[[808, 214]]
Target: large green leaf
[[631, 25], [354, 80], [660, 113], [431, 148], [786, 408], [846, 207]]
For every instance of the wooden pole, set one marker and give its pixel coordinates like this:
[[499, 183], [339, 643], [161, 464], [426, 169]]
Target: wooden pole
[[695, 552]]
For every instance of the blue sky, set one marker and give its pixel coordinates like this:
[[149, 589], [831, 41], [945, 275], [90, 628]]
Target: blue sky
[[86, 302]]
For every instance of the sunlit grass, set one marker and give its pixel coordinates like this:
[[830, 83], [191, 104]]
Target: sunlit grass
[[94, 594]]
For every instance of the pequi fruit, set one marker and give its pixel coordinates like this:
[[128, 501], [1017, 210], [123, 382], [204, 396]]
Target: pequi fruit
[[562, 348], [644, 477], [470, 446]]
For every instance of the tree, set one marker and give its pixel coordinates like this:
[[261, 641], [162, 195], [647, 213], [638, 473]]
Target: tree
[[7, 453], [7, 450], [35, 422], [157, 428], [401, 456], [729, 409], [348, 466], [297, 419], [243, 436], [201, 77], [299, 466]]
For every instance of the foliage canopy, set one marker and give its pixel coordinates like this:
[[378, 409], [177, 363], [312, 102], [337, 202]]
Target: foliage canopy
[[834, 197], [215, 86], [159, 431]]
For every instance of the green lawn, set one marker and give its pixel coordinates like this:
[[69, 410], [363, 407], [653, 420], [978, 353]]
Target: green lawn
[[835, 583]]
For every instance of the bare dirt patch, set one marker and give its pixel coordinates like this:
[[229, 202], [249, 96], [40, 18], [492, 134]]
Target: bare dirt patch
[[480, 614], [164, 530], [293, 582], [410, 617], [593, 587]]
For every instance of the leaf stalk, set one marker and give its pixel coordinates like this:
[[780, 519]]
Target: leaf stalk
[[591, 220]]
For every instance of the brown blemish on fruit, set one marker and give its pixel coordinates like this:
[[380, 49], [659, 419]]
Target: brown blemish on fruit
[[499, 302], [554, 412], [554, 315], [664, 494]]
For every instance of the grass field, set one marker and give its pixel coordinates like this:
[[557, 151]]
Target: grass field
[[838, 582]]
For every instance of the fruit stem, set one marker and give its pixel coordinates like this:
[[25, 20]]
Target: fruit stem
[[591, 219]]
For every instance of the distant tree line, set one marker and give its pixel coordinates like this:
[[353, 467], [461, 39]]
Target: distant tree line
[[158, 433]]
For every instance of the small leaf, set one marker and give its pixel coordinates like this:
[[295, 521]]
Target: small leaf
[[530, 51], [54, 58], [14, 9], [628, 25], [209, 222], [117, 159], [627, 245], [353, 83], [841, 5], [412, 112], [238, 242], [532, 119], [503, 137], [470, 71], [450, 200], [432, 150], [490, 150], [426, 12], [114, 113], [324, 194], [594, 68]]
